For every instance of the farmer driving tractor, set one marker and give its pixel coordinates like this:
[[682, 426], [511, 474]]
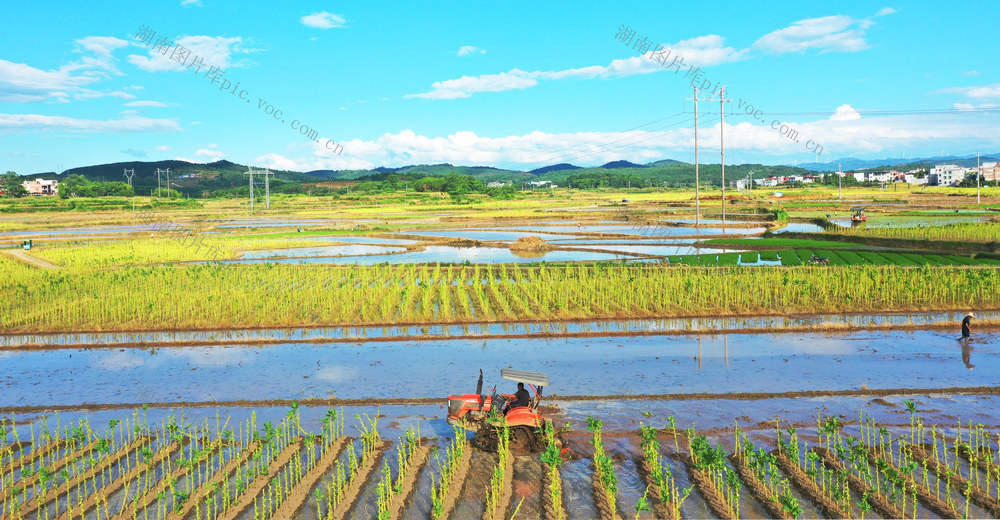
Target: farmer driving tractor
[[521, 398]]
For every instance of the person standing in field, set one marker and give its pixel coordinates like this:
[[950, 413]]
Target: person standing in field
[[967, 326]]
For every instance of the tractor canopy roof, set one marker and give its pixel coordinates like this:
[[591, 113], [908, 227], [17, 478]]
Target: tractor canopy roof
[[521, 376]]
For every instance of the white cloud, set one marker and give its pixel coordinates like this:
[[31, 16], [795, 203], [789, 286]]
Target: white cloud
[[97, 52], [210, 152], [132, 111], [163, 148], [187, 3], [827, 34], [279, 162], [467, 85], [146, 104], [22, 83], [128, 124], [845, 113], [215, 51], [982, 92], [121, 95], [323, 20], [886, 11], [971, 73], [469, 49], [703, 51]]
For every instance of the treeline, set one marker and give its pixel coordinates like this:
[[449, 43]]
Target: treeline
[[453, 184], [79, 186]]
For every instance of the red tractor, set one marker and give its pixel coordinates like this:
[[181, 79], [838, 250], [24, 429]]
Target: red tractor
[[485, 414]]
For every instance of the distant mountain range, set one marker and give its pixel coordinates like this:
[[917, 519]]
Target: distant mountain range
[[194, 178]]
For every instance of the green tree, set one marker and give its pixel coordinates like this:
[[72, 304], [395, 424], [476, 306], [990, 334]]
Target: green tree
[[11, 185], [75, 186]]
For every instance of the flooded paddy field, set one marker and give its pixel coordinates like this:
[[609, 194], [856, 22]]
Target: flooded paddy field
[[632, 402], [776, 363]]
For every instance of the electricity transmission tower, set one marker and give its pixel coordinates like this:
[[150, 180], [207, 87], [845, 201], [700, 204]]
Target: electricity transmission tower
[[250, 172], [722, 148], [267, 187], [128, 176]]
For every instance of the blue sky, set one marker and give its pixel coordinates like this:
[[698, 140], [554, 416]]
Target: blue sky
[[510, 85]]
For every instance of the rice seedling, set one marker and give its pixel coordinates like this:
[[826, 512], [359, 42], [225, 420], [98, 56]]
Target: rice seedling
[[661, 480], [719, 484], [759, 469], [500, 478], [959, 232], [605, 478], [552, 459], [454, 454]]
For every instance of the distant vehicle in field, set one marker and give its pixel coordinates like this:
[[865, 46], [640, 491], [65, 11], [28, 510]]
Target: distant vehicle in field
[[484, 414], [819, 260], [859, 215]]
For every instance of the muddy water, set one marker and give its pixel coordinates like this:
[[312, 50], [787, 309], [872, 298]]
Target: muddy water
[[438, 254], [609, 366], [326, 251], [472, 500], [578, 489]]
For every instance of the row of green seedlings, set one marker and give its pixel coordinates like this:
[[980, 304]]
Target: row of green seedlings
[[552, 460], [499, 477], [275, 494], [970, 446], [346, 473], [448, 467], [389, 489], [669, 497], [712, 461], [604, 468], [764, 466], [70, 460], [889, 472], [198, 454]]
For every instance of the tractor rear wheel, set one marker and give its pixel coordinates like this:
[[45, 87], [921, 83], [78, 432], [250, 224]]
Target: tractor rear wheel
[[487, 439]]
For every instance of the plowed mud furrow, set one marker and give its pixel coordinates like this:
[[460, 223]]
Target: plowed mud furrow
[[300, 494], [38, 501], [507, 491], [152, 494], [552, 509], [260, 482], [977, 495], [457, 482], [57, 465], [30, 459], [807, 486], [878, 501], [353, 491], [664, 510], [923, 494], [713, 497], [119, 483], [417, 464], [601, 502], [207, 488], [758, 489]]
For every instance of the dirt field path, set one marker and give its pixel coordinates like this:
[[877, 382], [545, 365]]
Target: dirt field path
[[20, 255]]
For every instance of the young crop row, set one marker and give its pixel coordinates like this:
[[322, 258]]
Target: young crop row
[[959, 232], [793, 258], [208, 296]]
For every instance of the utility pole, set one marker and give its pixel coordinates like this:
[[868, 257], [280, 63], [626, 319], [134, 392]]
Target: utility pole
[[168, 183], [697, 180], [158, 182], [979, 172], [722, 148], [250, 172], [751, 182], [267, 187], [840, 181]]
